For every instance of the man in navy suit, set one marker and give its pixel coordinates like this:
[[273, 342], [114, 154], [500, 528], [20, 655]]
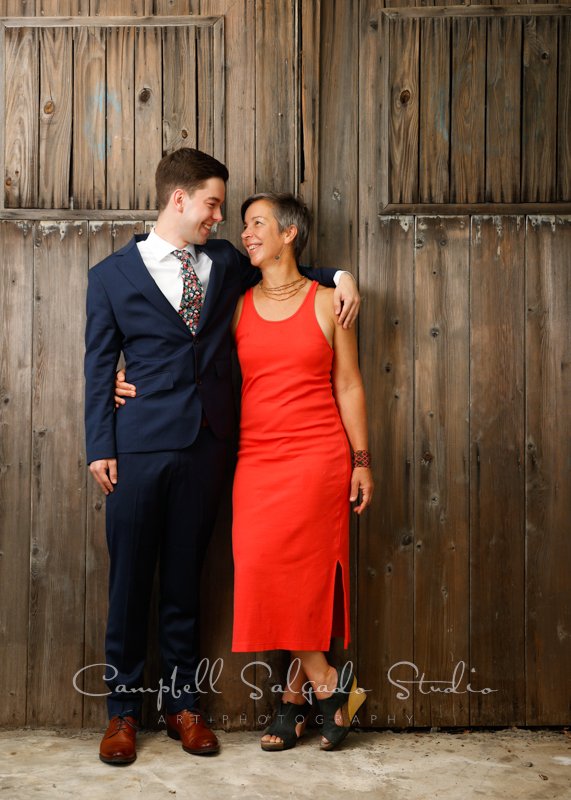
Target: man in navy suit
[[166, 301]]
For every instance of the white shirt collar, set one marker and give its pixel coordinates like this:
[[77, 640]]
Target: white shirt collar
[[160, 248]]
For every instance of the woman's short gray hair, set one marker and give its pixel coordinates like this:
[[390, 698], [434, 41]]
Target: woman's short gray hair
[[288, 209]]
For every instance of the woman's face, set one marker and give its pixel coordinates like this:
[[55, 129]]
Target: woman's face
[[261, 235]]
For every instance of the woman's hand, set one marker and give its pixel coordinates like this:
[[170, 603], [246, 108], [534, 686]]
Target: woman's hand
[[361, 481], [346, 300], [123, 389]]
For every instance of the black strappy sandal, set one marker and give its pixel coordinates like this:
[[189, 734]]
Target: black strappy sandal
[[283, 725], [349, 702]]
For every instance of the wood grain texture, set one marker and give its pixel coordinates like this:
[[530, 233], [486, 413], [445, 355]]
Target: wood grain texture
[[564, 112], [467, 153], [21, 121], [55, 117], [100, 245], [128, 8], [548, 470], [404, 116], [434, 111], [176, 7], [179, 88], [539, 125], [148, 114], [497, 514], [204, 76], [503, 118], [441, 458], [16, 297], [57, 589], [239, 106], [386, 536], [120, 107], [338, 152], [310, 21], [60, 8], [276, 96], [19, 8], [89, 92]]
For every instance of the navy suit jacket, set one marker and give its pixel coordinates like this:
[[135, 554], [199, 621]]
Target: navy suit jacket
[[178, 376]]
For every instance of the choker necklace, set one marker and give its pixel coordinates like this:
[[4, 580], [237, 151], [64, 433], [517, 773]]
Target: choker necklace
[[285, 291]]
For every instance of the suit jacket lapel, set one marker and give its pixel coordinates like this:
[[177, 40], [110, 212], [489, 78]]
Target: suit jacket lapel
[[215, 282], [133, 268]]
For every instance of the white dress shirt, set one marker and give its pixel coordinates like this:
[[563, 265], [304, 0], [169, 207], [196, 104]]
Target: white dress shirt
[[166, 269]]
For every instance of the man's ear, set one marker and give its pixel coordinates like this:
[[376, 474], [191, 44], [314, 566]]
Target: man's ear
[[177, 198]]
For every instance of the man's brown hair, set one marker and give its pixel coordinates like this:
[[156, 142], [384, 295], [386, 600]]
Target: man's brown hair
[[186, 169]]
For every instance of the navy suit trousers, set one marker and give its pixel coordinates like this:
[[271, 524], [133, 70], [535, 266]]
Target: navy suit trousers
[[163, 509]]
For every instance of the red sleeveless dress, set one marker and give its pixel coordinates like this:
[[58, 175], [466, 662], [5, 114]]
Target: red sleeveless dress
[[291, 488]]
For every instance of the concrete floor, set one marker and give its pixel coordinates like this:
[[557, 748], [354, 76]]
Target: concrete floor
[[532, 765]]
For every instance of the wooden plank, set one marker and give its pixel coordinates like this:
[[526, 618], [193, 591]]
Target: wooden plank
[[173, 7], [204, 79], [503, 119], [539, 124], [148, 114], [548, 468], [16, 292], [442, 447], [434, 111], [477, 9], [120, 105], [386, 584], [218, 91], [55, 117], [404, 93], [108, 21], [89, 89], [310, 91], [57, 592], [454, 209], [104, 238], [21, 122], [467, 146], [275, 118], [179, 88], [48, 214], [132, 8], [22, 8], [338, 144], [54, 8], [100, 243], [497, 514], [338, 186], [564, 112]]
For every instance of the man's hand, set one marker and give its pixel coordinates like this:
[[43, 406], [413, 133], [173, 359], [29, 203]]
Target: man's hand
[[123, 389], [346, 300], [105, 473]]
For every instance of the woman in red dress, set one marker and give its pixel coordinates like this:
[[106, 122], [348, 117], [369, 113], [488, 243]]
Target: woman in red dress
[[303, 412]]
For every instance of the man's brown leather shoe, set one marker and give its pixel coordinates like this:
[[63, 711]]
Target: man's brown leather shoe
[[195, 735], [118, 745]]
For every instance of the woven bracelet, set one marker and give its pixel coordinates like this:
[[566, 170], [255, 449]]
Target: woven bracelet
[[361, 458]]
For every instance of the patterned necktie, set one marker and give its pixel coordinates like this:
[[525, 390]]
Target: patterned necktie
[[192, 291]]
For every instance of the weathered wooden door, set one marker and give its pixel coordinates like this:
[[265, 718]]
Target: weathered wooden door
[[434, 146]]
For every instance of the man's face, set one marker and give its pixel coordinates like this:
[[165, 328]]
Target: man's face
[[201, 210]]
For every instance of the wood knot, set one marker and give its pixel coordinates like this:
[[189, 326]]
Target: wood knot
[[49, 107], [145, 95], [545, 56], [405, 96], [184, 134]]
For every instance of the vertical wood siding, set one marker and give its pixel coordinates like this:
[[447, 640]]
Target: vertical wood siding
[[460, 567]]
